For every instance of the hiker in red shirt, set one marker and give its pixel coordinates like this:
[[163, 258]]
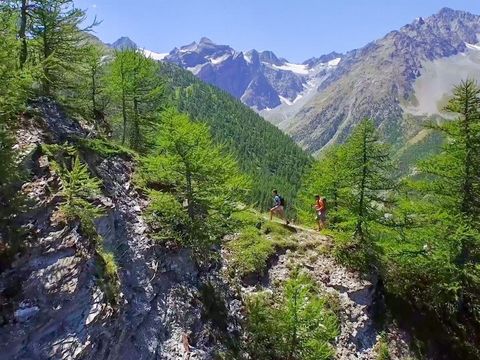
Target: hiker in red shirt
[[321, 211]]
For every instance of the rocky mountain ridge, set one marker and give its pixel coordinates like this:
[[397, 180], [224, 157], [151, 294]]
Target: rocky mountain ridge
[[378, 81]]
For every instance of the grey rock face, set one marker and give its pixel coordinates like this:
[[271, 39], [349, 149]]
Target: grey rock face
[[124, 43], [260, 93]]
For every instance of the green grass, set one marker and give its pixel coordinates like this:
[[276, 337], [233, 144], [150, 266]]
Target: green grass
[[250, 252], [382, 352], [107, 273], [247, 217], [254, 247]]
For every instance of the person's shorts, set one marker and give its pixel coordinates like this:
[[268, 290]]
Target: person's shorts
[[278, 208], [321, 215]]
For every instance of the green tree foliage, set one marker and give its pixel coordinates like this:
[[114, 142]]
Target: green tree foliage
[[14, 90], [266, 154], [435, 260], [133, 83], [77, 188], [203, 177], [368, 167], [295, 324], [58, 41], [328, 178], [91, 98], [356, 180], [15, 84]]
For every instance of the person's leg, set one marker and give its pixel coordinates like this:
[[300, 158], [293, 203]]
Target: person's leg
[[322, 221], [273, 211]]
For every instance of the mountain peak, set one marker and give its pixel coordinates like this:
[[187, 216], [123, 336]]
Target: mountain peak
[[269, 57], [446, 11], [206, 40], [124, 43]]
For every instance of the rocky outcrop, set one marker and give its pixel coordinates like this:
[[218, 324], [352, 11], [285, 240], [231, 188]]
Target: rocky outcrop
[[354, 297], [53, 303]]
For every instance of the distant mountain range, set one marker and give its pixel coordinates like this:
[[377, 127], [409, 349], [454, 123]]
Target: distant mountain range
[[399, 80], [260, 79]]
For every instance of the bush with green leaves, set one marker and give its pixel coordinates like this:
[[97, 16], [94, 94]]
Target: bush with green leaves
[[250, 252], [295, 323]]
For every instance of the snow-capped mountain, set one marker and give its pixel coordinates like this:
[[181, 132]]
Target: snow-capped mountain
[[399, 80], [261, 80]]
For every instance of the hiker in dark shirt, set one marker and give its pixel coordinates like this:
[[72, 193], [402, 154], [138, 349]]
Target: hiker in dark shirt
[[279, 207]]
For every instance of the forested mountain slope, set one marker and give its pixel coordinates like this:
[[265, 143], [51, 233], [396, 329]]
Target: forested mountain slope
[[269, 156]]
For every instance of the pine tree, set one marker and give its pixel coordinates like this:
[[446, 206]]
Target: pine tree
[[434, 262], [77, 187], [204, 177], [58, 40], [91, 98], [328, 178], [14, 90], [295, 325], [134, 84], [454, 174], [368, 167]]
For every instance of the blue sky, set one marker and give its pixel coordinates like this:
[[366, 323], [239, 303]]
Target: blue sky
[[294, 29]]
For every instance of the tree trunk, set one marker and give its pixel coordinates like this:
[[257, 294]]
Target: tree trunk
[[94, 94], [361, 202], [136, 126], [124, 103], [190, 209], [22, 33]]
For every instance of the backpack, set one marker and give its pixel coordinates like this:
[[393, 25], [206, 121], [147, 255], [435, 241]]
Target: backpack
[[282, 200]]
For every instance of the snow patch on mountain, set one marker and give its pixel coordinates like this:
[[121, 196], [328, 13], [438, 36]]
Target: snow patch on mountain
[[334, 62], [473, 46], [196, 69], [154, 55], [220, 59], [295, 68]]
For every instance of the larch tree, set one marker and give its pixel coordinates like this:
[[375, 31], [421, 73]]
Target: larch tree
[[327, 178], [368, 168], [133, 83], [59, 40], [205, 178]]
